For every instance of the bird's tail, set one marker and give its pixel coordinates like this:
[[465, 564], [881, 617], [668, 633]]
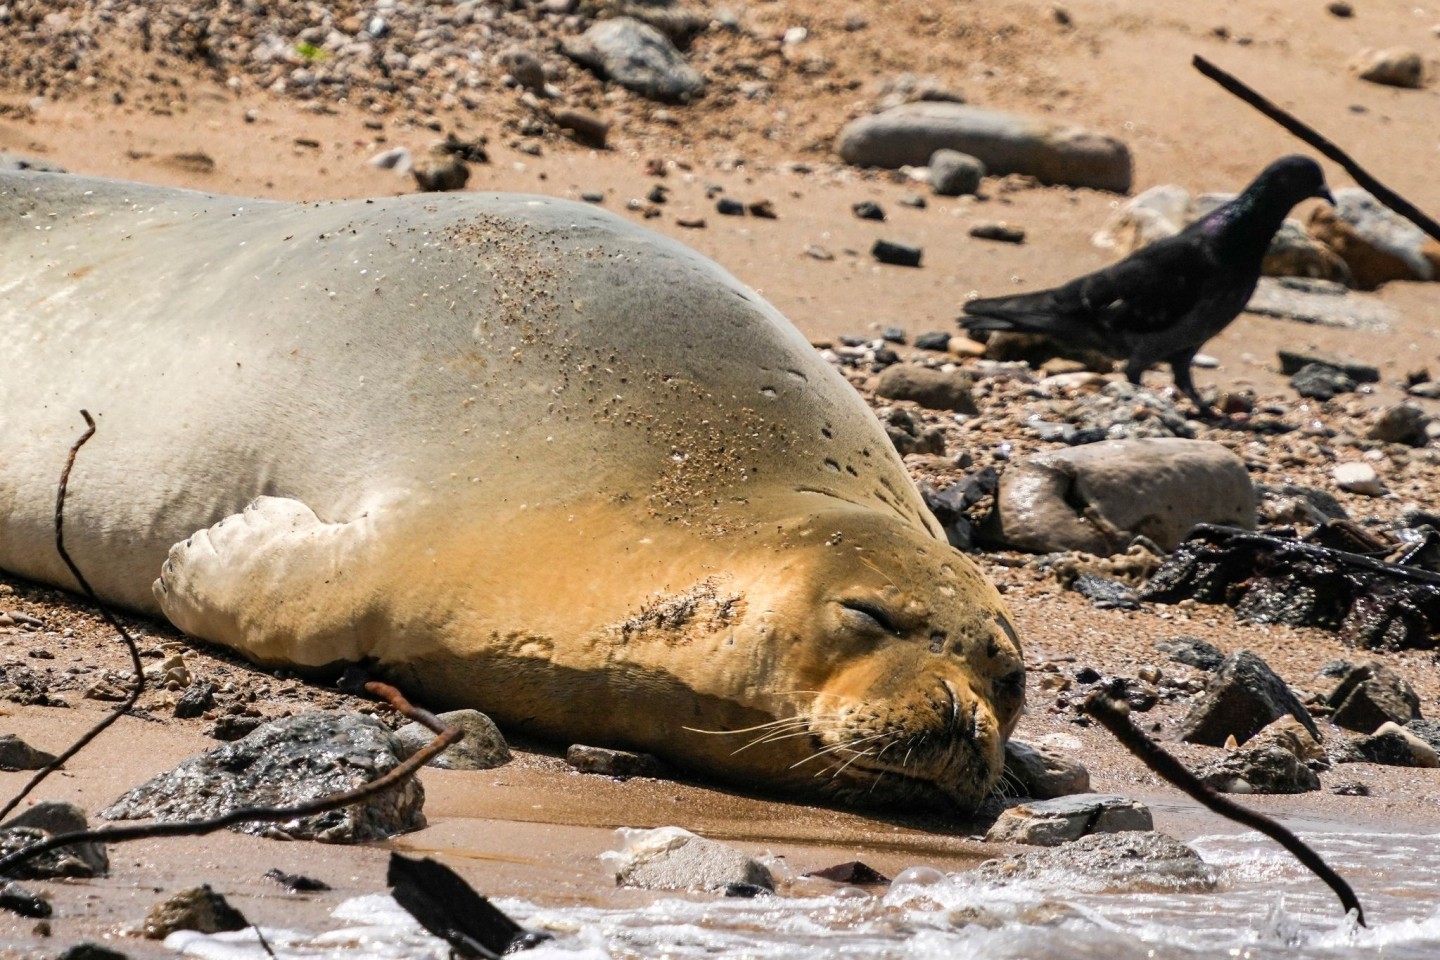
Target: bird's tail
[[1023, 312]]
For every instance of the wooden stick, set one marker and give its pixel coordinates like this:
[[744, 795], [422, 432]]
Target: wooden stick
[[1377, 189], [139, 686], [1115, 717]]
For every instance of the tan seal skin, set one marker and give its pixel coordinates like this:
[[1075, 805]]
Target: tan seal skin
[[513, 452]]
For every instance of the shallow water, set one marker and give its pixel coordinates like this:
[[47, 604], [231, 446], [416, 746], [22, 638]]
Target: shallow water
[[1266, 906]]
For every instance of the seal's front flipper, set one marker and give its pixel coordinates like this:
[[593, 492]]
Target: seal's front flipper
[[274, 582]]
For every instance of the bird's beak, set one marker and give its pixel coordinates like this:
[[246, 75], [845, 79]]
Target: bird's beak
[[1324, 194]]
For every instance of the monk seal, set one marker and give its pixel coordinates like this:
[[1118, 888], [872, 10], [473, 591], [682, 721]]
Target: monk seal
[[513, 453]]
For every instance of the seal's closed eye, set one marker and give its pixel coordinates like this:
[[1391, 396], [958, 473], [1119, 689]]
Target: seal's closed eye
[[866, 614]]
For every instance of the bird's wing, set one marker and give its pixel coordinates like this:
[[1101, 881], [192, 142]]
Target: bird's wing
[[1147, 292]]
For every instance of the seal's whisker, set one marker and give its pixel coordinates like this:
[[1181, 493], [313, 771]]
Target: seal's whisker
[[758, 726], [836, 747], [847, 763]]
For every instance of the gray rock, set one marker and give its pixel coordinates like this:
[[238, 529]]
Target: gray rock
[[23, 901], [1115, 862], [897, 254], [1049, 823], [1320, 302], [868, 210], [1404, 423], [670, 858], [955, 174], [524, 67], [1244, 697], [16, 754], [90, 951], [933, 340], [1391, 67], [612, 763], [999, 231], [1377, 244], [1106, 593], [198, 908], [1192, 651], [55, 817], [1097, 498], [1320, 381], [931, 388], [1005, 143], [482, 747], [14, 161], [298, 758], [1427, 730], [638, 57], [1387, 749], [1042, 772], [1370, 695], [1260, 770]]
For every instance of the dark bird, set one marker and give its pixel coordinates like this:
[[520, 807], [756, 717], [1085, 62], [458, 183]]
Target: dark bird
[[1166, 299]]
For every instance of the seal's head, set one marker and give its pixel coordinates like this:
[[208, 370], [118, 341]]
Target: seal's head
[[907, 674]]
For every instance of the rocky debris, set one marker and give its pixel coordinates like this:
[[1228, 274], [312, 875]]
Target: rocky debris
[[1290, 735], [1154, 214], [1376, 243], [1319, 381], [851, 871], [1118, 410], [1289, 504], [23, 901], [1404, 423], [284, 762], [16, 754], [230, 728], [1049, 823], [1321, 302], [1192, 651], [1106, 593], [937, 340], [1422, 752], [584, 127], [1390, 747], [729, 207], [198, 697], [1265, 769], [952, 504], [1132, 862], [868, 210], [909, 135], [997, 230], [638, 57], [524, 68], [671, 858], [296, 882], [955, 174], [612, 763], [1244, 697], [1391, 67], [1268, 579], [1042, 772], [909, 434], [198, 908], [1370, 695], [1037, 349], [1359, 477], [90, 951], [14, 161], [930, 388], [46, 819], [482, 747], [1097, 498], [896, 254], [439, 169], [1427, 730], [1294, 360]]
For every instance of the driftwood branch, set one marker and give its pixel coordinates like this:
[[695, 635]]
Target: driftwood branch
[[1115, 717], [1308, 134], [444, 737], [139, 685]]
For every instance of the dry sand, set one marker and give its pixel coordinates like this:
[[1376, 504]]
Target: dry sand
[[534, 828]]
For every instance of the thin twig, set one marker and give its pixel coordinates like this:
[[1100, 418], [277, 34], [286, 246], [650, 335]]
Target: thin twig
[[139, 686], [1377, 189], [445, 736], [1115, 717]]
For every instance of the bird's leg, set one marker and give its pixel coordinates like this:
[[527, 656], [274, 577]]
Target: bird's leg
[[1134, 369], [1180, 369]]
